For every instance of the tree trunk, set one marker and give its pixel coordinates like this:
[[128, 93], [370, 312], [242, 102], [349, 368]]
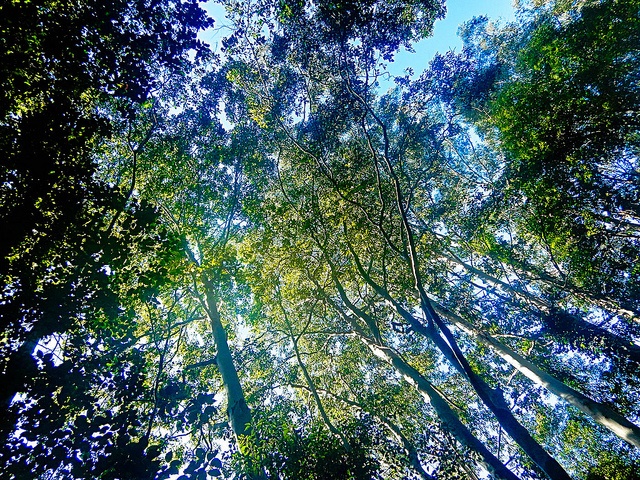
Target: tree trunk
[[600, 413], [564, 324], [237, 408], [447, 416], [492, 398]]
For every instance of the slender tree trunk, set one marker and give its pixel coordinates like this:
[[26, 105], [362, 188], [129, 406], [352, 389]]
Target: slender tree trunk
[[496, 282], [447, 416], [612, 420], [600, 413], [237, 408], [492, 398]]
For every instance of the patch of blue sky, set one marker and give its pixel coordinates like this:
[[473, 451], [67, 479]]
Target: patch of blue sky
[[221, 29], [445, 34], [444, 37]]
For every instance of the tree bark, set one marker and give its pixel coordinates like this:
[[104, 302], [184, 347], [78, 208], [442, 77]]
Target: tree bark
[[600, 413], [237, 409], [447, 416], [492, 398]]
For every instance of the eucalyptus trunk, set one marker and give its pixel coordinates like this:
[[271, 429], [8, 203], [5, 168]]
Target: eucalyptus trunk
[[238, 411], [600, 413], [448, 346], [447, 416], [237, 408]]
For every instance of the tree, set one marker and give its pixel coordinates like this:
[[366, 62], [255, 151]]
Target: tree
[[543, 103], [568, 131], [63, 67], [331, 281], [351, 185]]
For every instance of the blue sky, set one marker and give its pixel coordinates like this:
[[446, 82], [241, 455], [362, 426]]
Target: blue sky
[[445, 33], [443, 39]]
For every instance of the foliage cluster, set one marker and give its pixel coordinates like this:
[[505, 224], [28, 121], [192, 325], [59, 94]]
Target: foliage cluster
[[260, 266]]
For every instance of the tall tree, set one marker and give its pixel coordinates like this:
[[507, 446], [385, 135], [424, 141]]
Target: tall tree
[[64, 65], [372, 286], [370, 168]]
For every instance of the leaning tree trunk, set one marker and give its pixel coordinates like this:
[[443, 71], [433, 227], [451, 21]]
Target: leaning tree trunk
[[492, 398], [237, 409], [447, 416], [600, 413], [562, 324]]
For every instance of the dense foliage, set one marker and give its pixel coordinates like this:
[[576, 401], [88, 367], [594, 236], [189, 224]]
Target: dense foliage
[[260, 265]]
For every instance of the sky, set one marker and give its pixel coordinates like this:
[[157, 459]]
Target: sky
[[443, 39], [445, 36]]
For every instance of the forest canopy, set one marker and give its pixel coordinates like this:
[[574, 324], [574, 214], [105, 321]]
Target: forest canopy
[[263, 263]]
